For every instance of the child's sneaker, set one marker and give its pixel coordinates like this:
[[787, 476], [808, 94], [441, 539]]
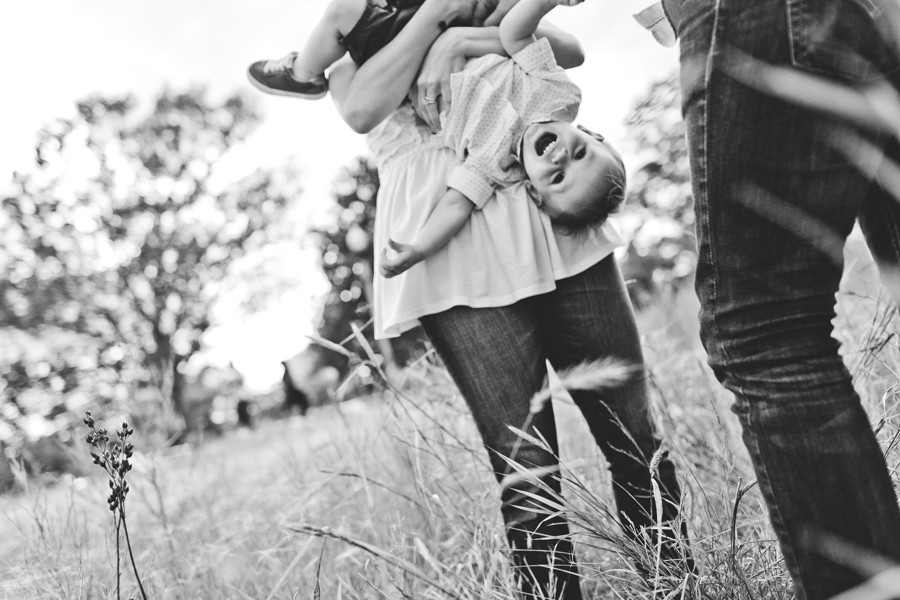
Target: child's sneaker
[[276, 77]]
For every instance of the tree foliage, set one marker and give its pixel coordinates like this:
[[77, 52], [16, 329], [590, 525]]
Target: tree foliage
[[345, 245], [120, 234], [347, 251], [659, 214]]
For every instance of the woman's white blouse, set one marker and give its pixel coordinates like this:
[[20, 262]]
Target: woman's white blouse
[[505, 252]]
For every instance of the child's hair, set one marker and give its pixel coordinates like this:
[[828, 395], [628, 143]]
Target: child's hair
[[607, 199]]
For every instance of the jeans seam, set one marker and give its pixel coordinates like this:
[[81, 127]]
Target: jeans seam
[[712, 259], [762, 473], [793, 26]]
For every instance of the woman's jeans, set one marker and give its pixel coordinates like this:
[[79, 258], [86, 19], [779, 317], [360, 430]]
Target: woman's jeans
[[497, 358], [775, 197]]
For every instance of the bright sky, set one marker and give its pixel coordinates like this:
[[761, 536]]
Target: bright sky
[[53, 52]]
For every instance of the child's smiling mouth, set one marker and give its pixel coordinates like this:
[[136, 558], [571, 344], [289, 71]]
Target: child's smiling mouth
[[545, 143]]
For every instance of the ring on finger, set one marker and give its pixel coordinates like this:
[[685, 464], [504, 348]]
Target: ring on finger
[[428, 100]]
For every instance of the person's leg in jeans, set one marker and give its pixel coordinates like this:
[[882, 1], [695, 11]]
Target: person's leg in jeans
[[774, 202], [496, 357], [589, 317], [879, 219]]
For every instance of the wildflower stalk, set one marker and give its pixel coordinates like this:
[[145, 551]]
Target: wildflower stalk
[[114, 458]]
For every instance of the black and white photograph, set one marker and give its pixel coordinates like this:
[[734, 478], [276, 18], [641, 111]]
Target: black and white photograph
[[450, 300]]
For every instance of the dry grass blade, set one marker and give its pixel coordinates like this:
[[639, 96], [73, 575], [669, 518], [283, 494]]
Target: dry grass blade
[[798, 222], [851, 555], [658, 504], [422, 549], [532, 475], [317, 594], [239, 592], [405, 565], [334, 347], [523, 435], [596, 375], [290, 568], [884, 586], [589, 375], [868, 158], [394, 491], [734, 516], [345, 385], [358, 334]]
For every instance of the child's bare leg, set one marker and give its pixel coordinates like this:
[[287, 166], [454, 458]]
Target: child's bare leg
[[322, 48]]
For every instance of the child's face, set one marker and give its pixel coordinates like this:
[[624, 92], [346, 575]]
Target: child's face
[[565, 165]]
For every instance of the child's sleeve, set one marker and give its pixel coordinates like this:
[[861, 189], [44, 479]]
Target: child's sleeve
[[484, 143], [472, 183], [537, 57]]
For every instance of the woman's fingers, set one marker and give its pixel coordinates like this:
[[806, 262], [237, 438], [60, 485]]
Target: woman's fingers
[[503, 7], [426, 103], [441, 107], [430, 108], [446, 92]]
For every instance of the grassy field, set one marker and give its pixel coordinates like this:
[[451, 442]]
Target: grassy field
[[398, 491]]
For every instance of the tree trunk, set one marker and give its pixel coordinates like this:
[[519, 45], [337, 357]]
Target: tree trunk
[[177, 393], [170, 383]]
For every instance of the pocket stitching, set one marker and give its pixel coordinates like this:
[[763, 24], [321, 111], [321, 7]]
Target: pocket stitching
[[802, 56], [870, 7]]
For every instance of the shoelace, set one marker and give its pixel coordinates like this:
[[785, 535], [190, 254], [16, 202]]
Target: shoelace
[[284, 63]]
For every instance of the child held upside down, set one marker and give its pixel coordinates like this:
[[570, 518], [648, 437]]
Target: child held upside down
[[511, 120], [360, 27]]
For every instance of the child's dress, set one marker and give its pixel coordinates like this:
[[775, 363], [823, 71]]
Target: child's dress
[[505, 252]]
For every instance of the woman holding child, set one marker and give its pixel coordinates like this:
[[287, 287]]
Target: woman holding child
[[497, 281]]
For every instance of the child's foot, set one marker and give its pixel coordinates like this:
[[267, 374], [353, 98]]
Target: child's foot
[[276, 77]]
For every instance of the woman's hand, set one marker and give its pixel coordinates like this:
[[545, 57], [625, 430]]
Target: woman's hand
[[431, 95], [502, 7], [365, 95]]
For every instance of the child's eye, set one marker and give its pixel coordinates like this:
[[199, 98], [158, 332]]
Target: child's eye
[[580, 154], [558, 178]]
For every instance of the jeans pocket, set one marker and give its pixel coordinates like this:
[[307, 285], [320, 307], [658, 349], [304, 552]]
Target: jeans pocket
[[849, 39]]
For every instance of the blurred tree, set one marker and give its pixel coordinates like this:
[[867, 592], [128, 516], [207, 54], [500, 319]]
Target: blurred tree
[[120, 234], [659, 214], [346, 247]]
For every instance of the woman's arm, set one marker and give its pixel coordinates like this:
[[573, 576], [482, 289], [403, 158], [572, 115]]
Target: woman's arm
[[365, 96], [449, 52]]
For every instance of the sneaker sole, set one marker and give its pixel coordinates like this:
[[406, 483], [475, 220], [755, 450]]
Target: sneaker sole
[[276, 92]]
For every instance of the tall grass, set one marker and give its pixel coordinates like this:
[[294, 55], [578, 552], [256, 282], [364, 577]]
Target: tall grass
[[393, 497]]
